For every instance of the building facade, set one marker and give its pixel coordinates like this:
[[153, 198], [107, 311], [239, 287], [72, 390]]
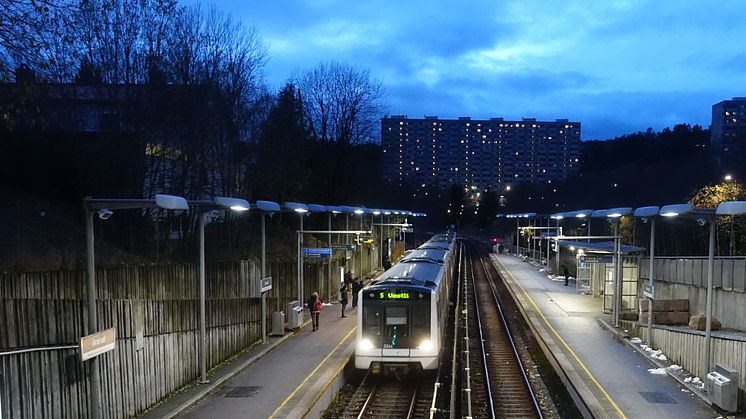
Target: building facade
[[728, 132], [477, 154]]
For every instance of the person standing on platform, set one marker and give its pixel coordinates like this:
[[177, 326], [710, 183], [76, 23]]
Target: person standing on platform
[[343, 296], [315, 305], [356, 287], [566, 273], [386, 263]]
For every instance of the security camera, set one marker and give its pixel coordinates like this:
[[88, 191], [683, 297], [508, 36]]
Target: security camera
[[701, 222], [105, 213]]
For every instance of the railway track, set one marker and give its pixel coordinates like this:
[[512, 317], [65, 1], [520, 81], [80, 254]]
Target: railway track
[[500, 387], [384, 397]]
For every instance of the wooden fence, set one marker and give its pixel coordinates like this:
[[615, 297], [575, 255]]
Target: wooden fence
[[43, 315]]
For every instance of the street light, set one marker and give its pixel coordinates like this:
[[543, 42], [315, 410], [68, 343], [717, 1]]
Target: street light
[[613, 215], [301, 210], [318, 209], [333, 211], [645, 214], [703, 216], [266, 207], [233, 204], [583, 214], [557, 217], [104, 209]]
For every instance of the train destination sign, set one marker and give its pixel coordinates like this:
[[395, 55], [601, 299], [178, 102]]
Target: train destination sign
[[97, 343], [396, 295], [393, 295]]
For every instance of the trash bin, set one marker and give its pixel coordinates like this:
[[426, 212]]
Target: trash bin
[[295, 314], [722, 388], [278, 323]]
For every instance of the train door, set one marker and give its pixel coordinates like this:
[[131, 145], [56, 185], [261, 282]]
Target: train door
[[396, 339]]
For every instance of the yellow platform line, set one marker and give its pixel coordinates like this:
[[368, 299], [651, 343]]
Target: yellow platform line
[[312, 373], [582, 365]]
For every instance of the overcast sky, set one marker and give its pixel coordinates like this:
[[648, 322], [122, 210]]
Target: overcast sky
[[615, 66]]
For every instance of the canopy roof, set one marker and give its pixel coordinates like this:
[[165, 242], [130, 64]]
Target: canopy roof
[[601, 247]]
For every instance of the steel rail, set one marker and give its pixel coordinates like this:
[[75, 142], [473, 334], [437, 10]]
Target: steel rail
[[367, 401], [509, 334], [481, 344]]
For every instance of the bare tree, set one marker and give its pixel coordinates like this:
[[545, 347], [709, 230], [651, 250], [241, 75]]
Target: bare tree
[[34, 33], [341, 102]]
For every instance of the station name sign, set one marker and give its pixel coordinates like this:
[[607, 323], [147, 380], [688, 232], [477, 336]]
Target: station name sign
[[97, 343]]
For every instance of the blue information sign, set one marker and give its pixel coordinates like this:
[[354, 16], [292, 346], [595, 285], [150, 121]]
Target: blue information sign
[[317, 252]]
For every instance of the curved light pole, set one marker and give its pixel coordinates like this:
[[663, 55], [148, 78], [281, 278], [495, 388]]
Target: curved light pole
[[614, 215], [301, 210], [332, 211], [220, 203], [645, 214], [266, 207], [557, 217], [103, 208]]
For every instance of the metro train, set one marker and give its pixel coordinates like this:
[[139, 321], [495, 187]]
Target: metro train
[[401, 316]]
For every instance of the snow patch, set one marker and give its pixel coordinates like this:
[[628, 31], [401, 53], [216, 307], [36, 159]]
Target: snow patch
[[674, 367], [635, 340], [657, 371]]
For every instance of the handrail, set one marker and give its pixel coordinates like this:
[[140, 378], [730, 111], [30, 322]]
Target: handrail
[[39, 349]]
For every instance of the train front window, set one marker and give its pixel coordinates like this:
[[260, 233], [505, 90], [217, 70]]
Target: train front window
[[420, 321], [372, 321], [397, 328]]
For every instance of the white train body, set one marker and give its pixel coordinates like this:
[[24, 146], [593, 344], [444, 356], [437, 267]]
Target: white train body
[[401, 316]]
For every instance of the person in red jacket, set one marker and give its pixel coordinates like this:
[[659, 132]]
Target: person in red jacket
[[315, 305]]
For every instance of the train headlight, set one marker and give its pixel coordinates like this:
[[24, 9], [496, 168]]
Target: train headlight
[[425, 345], [365, 344]]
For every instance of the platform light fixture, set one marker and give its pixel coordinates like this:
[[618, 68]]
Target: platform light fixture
[[104, 209]]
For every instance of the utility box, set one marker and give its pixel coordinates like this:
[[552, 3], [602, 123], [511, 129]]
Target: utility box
[[295, 314], [278, 323], [722, 388]]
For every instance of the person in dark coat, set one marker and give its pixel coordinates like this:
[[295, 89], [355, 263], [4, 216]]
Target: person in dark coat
[[386, 263], [344, 295], [566, 273], [356, 287]]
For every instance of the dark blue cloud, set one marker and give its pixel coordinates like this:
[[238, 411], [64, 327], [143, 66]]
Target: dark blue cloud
[[616, 66]]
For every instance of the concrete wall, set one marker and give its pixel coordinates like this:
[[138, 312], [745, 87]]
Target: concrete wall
[[686, 278]]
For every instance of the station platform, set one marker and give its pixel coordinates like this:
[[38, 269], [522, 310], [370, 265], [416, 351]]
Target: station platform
[[606, 378], [293, 376]]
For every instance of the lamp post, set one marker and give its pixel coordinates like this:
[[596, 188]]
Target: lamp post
[[378, 212], [650, 213], [615, 214], [360, 212], [301, 209], [318, 209], [104, 208], [266, 207], [731, 208], [233, 204], [333, 211], [558, 216]]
